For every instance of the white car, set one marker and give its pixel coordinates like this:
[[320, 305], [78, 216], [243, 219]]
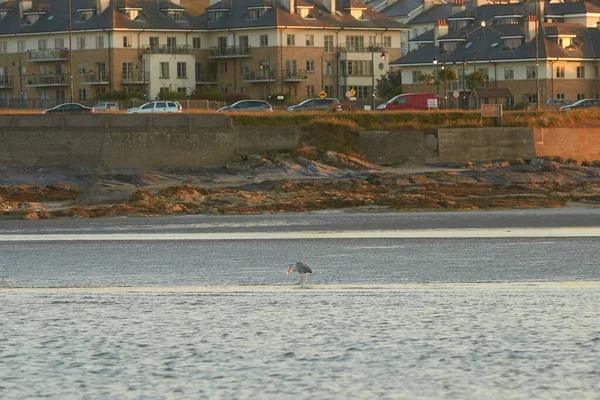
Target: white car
[[157, 107]]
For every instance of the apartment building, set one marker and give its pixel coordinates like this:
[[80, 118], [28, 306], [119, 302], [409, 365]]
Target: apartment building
[[503, 42], [257, 47]]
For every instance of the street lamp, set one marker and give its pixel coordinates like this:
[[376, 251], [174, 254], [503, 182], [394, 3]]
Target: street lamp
[[437, 82], [382, 56], [71, 49], [445, 80], [464, 88]]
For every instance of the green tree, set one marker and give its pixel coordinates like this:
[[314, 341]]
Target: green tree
[[476, 79], [389, 85], [450, 74], [426, 79]]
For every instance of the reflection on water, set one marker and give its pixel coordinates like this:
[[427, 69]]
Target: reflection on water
[[446, 341]]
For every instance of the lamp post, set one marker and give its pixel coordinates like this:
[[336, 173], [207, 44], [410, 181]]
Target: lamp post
[[437, 82], [71, 49], [464, 88], [382, 56], [537, 68], [445, 81]]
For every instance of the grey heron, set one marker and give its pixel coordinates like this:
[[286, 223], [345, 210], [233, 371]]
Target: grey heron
[[301, 268]]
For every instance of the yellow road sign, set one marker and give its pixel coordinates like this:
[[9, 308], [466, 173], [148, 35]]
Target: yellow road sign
[[322, 94], [353, 92]]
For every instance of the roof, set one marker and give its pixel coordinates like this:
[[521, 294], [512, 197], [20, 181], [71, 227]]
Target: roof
[[432, 14], [491, 93], [402, 8]]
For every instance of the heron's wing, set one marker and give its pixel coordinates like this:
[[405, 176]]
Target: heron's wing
[[307, 268]]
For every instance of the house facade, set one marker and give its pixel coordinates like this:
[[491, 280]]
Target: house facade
[[550, 49], [258, 47]]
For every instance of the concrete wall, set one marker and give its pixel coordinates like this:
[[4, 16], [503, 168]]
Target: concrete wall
[[578, 143], [387, 148], [457, 145]]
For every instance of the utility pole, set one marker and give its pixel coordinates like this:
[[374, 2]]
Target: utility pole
[[537, 55], [71, 49]]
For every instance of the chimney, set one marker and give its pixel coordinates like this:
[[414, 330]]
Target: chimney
[[195, 7], [458, 6], [24, 5], [479, 3], [427, 4], [441, 29], [289, 5], [330, 5], [101, 5], [530, 32]]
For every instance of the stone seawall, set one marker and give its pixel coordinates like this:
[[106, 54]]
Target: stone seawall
[[197, 140]]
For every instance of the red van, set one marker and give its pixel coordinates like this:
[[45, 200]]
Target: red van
[[408, 101]]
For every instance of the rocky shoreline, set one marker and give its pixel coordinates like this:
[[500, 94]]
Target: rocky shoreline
[[286, 183]]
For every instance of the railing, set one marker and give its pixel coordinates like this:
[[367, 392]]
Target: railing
[[48, 55], [229, 51], [206, 77], [259, 76], [360, 48], [166, 49], [133, 77], [98, 78], [6, 81], [48, 80], [295, 75]]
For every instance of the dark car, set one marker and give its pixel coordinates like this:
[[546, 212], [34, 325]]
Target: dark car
[[71, 108], [581, 104], [327, 104], [248, 106]]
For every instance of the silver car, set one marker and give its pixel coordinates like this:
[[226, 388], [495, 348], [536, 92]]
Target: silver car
[[248, 106], [157, 107], [327, 104]]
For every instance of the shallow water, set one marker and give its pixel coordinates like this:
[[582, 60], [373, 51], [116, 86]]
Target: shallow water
[[381, 317]]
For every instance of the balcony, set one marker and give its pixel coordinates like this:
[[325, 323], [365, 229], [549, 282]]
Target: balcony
[[360, 48], [229, 52], [6, 82], [48, 80], [134, 78], [206, 78], [166, 49], [295, 75], [259, 76], [96, 78], [48, 55]]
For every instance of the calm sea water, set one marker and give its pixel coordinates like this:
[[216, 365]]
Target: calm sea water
[[399, 318]]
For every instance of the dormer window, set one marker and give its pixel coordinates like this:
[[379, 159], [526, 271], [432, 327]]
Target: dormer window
[[256, 13], [3, 13], [215, 15], [132, 13], [32, 18], [305, 12], [566, 42], [175, 15], [358, 13], [84, 15], [512, 43]]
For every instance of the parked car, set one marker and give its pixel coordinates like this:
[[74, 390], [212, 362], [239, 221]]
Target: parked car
[[326, 104], [106, 106], [408, 101], [248, 106], [581, 104], [71, 108], [157, 107]]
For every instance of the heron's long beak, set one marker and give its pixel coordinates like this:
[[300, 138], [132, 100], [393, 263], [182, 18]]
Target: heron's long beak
[[289, 271]]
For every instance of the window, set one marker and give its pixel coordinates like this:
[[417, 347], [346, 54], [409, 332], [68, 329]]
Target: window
[[291, 40], [164, 70], [21, 46], [127, 71], [99, 42], [264, 40], [196, 43], [581, 72], [60, 96], [328, 44], [355, 43], [42, 44], [3, 47], [509, 73], [182, 90], [310, 91], [82, 94], [387, 41], [560, 96], [255, 13], [126, 41], [310, 65], [530, 72], [181, 70], [580, 96], [310, 40], [415, 76], [532, 98], [176, 15], [81, 69], [329, 90], [80, 43], [59, 43], [244, 42], [171, 44], [560, 71], [328, 68], [154, 44], [224, 67], [85, 15], [356, 68]]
